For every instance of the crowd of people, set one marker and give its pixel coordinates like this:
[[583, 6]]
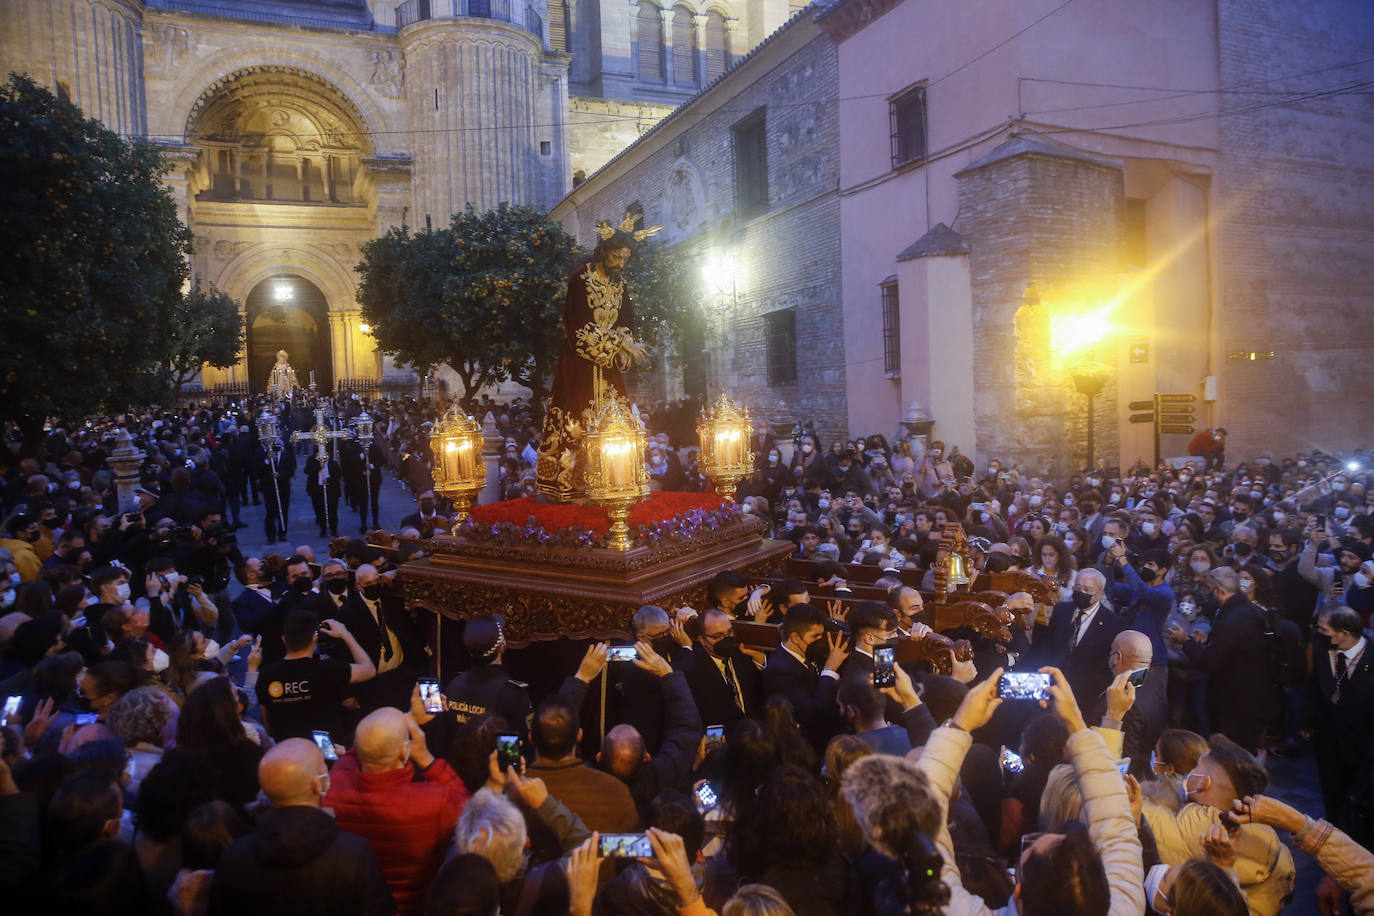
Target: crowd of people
[[191, 729]]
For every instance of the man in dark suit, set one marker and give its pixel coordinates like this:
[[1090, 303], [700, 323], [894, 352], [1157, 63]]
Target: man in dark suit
[[1080, 636], [255, 608], [377, 619], [724, 681], [1149, 714], [871, 623], [429, 519], [1237, 656], [323, 483], [1342, 724], [805, 671]]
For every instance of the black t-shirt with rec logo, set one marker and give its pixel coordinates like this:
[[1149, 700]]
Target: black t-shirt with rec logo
[[299, 695]]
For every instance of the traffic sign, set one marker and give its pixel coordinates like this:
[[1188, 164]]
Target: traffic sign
[[1176, 430], [1176, 398], [1142, 405], [1142, 418]]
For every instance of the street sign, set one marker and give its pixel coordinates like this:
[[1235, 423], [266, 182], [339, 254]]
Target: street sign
[[1140, 352], [1175, 430], [1142, 418], [1176, 410], [1176, 398], [1142, 405]]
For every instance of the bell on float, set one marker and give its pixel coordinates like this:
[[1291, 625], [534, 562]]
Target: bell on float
[[957, 571]]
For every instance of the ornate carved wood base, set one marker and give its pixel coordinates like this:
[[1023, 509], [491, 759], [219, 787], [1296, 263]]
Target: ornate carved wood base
[[561, 593]]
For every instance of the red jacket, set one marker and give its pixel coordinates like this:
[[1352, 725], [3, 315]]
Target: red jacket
[[409, 824]]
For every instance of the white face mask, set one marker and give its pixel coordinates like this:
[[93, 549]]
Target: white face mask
[[7, 598], [15, 578], [211, 648], [1153, 878], [806, 448], [122, 591], [160, 661], [1187, 609], [1341, 512], [1361, 580], [1035, 500], [823, 504], [1068, 500], [1148, 529], [1108, 541], [1200, 566]]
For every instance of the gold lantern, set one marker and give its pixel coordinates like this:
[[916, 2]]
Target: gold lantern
[[727, 454], [459, 471], [617, 477]]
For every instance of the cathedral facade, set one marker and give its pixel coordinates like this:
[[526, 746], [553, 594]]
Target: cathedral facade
[[297, 130]]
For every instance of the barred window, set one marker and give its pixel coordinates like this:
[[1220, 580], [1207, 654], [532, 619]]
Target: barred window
[[560, 15], [892, 329], [780, 327], [908, 113]]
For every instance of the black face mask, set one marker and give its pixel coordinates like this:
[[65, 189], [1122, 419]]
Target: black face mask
[[817, 653], [371, 592], [1082, 600], [301, 586], [1241, 549], [726, 647], [1279, 555], [663, 645], [337, 586]]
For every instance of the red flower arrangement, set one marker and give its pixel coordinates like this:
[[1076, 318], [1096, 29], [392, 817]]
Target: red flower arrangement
[[659, 507]]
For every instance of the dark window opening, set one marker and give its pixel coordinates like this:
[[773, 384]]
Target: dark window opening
[[781, 330], [908, 113], [892, 332], [751, 164]]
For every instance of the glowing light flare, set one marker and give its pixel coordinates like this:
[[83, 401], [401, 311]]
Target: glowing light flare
[[365, 327], [718, 273], [1073, 332], [1352, 466], [283, 292]]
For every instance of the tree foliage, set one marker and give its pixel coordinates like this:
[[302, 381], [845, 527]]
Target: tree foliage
[[93, 267], [485, 295], [206, 330]]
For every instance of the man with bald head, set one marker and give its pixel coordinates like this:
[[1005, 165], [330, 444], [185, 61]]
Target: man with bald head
[[374, 794], [379, 621], [296, 859], [1132, 652]]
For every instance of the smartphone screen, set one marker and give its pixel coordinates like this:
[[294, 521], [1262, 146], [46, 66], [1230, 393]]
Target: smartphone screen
[[508, 750], [1124, 766], [11, 708], [884, 660], [1011, 761], [715, 734], [86, 718], [429, 694], [622, 654], [1027, 685], [325, 744], [1137, 677], [624, 846], [706, 796]]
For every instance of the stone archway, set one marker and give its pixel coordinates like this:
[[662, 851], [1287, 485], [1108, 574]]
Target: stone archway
[[288, 312]]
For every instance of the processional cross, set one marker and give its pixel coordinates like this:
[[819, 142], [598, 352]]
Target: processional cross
[[321, 435]]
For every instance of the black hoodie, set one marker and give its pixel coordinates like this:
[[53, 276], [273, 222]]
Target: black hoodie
[[297, 861]]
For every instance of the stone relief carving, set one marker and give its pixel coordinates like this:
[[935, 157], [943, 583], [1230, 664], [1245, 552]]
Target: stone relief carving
[[225, 249], [170, 45], [388, 73], [685, 203]]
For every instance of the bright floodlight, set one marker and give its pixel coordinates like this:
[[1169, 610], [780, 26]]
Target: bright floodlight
[[283, 292], [1352, 466]]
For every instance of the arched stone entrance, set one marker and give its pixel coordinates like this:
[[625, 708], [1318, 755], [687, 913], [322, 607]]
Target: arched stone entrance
[[288, 312]]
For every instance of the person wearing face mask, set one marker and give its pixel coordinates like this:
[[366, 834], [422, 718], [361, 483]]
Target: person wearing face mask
[[297, 859], [377, 619], [1237, 657], [1342, 695], [1335, 581], [725, 682], [765, 446], [643, 700], [773, 475], [1080, 635], [23, 532], [1226, 773], [808, 467], [805, 670], [1151, 599]]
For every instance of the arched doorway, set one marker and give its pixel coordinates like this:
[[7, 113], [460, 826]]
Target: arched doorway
[[288, 313]]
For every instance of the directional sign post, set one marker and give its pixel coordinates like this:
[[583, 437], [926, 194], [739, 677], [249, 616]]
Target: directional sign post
[[1173, 415]]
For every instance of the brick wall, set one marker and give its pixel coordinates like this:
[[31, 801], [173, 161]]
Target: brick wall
[[1296, 231], [1051, 222]]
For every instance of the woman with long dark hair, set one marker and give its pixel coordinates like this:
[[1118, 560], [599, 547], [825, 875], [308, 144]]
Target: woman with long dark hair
[[209, 723]]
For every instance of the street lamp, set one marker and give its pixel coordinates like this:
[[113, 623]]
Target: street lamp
[[269, 434], [1089, 378]]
